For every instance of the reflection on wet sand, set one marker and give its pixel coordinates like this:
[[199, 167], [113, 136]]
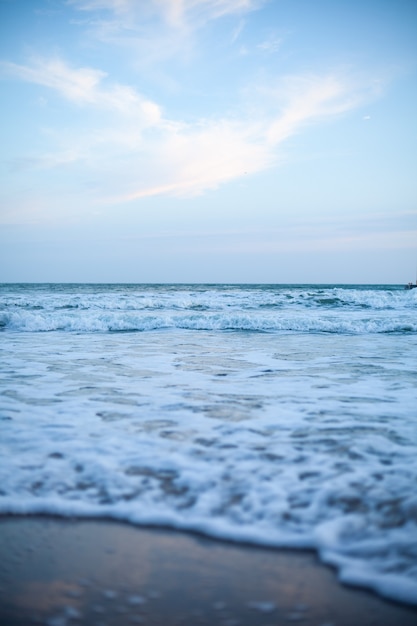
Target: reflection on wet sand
[[98, 573]]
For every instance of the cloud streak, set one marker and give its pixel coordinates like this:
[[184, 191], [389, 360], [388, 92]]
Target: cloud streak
[[157, 30], [133, 150], [177, 13], [83, 86]]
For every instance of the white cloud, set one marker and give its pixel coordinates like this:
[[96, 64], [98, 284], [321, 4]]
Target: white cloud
[[188, 159], [158, 29], [178, 12], [138, 152], [83, 86], [270, 45], [117, 6], [201, 157], [238, 31], [312, 98], [175, 12], [134, 26], [78, 85]]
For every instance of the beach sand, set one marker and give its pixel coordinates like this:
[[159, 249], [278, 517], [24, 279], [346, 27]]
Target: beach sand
[[102, 573]]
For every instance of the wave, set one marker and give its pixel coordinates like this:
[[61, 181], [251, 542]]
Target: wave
[[115, 298], [115, 321], [307, 443]]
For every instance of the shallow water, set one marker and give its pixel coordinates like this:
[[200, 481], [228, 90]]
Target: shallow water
[[280, 415]]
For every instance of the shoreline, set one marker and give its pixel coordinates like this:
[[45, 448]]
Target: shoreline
[[63, 572]]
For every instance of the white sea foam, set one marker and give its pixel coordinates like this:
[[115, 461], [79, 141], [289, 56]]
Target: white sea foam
[[302, 438], [114, 309], [116, 321]]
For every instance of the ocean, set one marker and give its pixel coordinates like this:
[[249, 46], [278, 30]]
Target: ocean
[[279, 415]]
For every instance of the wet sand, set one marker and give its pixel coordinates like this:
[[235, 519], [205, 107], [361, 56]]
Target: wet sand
[[103, 573]]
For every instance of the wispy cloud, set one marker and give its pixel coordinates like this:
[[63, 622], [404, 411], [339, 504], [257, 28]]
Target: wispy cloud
[[196, 158], [137, 151], [180, 12], [238, 31], [311, 98], [84, 86], [270, 45], [158, 30], [175, 12]]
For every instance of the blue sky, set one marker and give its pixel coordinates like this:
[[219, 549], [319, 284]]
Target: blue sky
[[208, 141]]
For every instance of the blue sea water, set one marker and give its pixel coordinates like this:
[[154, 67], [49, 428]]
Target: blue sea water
[[281, 415]]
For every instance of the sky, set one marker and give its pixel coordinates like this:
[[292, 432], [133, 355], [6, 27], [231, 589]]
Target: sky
[[234, 141]]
